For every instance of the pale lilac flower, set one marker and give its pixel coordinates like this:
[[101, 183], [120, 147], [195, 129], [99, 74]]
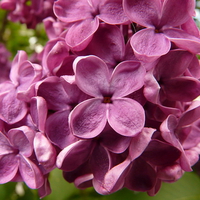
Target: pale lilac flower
[[16, 148], [83, 18], [92, 76], [162, 21], [28, 12]]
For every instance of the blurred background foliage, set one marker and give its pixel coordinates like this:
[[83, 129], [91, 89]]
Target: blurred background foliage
[[16, 37]]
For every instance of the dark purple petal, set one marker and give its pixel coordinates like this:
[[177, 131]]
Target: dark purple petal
[[160, 153], [51, 89], [88, 118], [149, 45], [145, 13], [113, 141], [122, 82], [91, 75], [100, 164], [30, 173], [190, 116], [110, 42], [181, 89], [140, 142], [173, 64], [74, 155], [8, 167], [126, 116], [167, 131], [57, 129], [141, 177]]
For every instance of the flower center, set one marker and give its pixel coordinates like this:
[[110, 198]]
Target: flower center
[[107, 100]]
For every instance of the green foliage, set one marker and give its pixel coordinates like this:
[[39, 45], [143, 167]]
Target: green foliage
[[187, 188], [16, 36]]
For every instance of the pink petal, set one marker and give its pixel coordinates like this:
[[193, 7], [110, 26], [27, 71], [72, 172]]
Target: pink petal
[[88, 118], [57, 129], [72, 10], [114, 178], [74, 155], [22, 139], [111, 12], [122, 81], [183, 40], [80, 34], [38, 110], [126, 116], [19, 58], [8, 167], [12, 110], [91, 75], [5, 146], [149, 45], [145, 13], [30, 173], [140, 142], [44, 151], [175, 13]]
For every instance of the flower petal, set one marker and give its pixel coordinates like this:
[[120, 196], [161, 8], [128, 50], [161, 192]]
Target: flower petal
[[57, 129], [80, 34], [160, 153], [149, 45], [44, 151], [111, 12], [141, 177], [181, 88], [38, 111], [140, 142], [88, 118], [30, 173], [8, 167], [22, 139], [74, 155], [145, 13], [183, 40], [91, 75], [126, 78], [126, 116], [175, 13]]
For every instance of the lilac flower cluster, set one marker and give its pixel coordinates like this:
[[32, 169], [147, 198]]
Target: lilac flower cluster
[[112, 101], [29, 12]]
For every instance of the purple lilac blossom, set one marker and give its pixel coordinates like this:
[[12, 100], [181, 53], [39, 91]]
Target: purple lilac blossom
[[112, 100]]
